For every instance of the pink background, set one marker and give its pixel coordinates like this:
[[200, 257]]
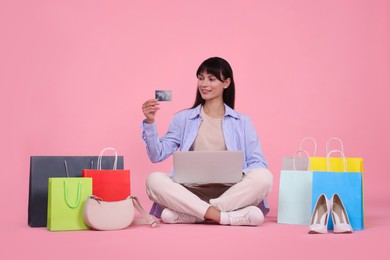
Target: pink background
[[74, 74]]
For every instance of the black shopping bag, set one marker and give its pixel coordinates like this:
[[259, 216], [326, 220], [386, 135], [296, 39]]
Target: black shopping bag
[[43, 167]]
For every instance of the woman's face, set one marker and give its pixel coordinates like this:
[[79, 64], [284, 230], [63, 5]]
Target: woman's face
[[210, 87]]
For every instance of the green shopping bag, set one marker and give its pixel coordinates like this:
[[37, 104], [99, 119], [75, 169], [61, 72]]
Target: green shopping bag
[[66, 199]]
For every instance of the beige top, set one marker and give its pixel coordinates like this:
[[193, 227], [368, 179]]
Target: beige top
[[210, 135]]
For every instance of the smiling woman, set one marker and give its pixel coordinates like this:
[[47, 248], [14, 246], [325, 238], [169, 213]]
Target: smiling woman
[[215, 73], [211, 89], [210, 125]]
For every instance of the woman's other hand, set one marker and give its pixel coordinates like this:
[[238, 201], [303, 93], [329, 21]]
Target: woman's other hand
[[149, 108]]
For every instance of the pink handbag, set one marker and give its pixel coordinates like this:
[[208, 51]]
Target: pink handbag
[[113, 215]]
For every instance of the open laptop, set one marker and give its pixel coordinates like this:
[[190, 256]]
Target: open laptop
[[203, 167]]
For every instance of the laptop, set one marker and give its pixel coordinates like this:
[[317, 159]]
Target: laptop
[[203, 167]]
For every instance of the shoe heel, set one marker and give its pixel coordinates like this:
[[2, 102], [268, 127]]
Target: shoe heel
[[340, 218], [320, 216]]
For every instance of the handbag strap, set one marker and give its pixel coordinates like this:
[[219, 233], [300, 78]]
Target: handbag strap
[[147, 218]]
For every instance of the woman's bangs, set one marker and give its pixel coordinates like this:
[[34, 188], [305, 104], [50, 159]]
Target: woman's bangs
[[213, 70]]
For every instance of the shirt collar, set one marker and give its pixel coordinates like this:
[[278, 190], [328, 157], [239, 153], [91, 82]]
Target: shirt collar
[[228, 112]]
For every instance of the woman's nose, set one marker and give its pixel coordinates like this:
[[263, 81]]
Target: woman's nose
[[203, 83]]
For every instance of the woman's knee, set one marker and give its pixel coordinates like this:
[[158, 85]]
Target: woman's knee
[[155, 179], [262, 177]]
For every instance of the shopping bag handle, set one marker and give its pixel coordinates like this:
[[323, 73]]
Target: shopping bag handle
[[66, 169], [334, 139], [313, 141], [341, 154], [300, 151], [99, 162], [66, 193]]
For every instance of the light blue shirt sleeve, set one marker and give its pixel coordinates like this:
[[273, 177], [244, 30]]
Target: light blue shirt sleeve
[[159, 149]]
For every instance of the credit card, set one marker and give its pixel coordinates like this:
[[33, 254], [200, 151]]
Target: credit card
[[163, 95]]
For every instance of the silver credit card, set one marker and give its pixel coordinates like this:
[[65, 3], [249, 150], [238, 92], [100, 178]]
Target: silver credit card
[[163, 95]]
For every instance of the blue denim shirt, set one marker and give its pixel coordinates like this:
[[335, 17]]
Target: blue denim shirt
[[238, 130]]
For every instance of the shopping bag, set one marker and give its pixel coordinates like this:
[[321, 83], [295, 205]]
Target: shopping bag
[[43, 167], [295, 195], [353, 164], [336, 163], [295, 200], [348, 185], [109, 185], [300, 163], [66, 199]]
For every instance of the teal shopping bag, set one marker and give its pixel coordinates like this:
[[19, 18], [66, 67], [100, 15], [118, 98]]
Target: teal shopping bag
[[295, 197], [295, 190]]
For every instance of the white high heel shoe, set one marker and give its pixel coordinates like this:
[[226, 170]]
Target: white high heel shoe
[[340, 218], [320, 216]]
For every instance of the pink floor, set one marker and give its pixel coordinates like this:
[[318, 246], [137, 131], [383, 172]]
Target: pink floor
[[203, 241]]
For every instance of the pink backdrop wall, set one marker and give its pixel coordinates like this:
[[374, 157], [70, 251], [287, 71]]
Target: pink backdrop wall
[[74, 74]]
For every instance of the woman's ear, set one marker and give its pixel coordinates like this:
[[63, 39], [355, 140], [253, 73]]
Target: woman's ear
[[227, 83]]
